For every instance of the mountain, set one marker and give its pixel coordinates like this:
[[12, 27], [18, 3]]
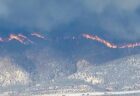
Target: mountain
[[48, 65], [10, 74], [121, 74]]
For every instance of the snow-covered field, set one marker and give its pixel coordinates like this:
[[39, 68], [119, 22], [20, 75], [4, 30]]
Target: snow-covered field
[[136, 92], [131, 93]]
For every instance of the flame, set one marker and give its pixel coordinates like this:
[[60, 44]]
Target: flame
[[131, 45], [108, 44], [21, 38], [96, 38], [38, 35], [16, 37], [1, 40], [25, 38]]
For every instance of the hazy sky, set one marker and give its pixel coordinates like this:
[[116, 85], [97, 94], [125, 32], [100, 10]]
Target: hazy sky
[[118, 18]]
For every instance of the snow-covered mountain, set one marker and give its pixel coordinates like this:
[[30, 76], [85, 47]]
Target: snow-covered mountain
[[118, 75], [121, 74], [10, 74]]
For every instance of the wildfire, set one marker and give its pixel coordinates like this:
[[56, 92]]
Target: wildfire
[[16, 37], [21, 38], [25, 38], [108, 44], [38, 35], [1, 40], [131, 45], [96, 38]]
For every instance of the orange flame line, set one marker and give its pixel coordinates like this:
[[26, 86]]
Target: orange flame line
[[94, 37], [23, 36], [38, 35], [108, 44], [16, 37], [130, 45], [1, 40]]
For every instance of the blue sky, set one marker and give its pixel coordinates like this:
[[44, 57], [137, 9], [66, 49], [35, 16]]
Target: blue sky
[[114, 20]]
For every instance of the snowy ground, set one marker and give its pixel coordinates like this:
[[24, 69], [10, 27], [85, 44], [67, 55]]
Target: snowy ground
[[135, 92], [115, 93]]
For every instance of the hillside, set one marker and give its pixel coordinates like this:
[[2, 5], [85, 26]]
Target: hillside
[[121, 74], [10, 74], [114, 77]]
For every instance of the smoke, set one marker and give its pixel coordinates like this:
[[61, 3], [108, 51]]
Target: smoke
[[119, 18], [39, 14]]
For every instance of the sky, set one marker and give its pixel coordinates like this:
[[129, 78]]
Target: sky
[[62, 23]]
